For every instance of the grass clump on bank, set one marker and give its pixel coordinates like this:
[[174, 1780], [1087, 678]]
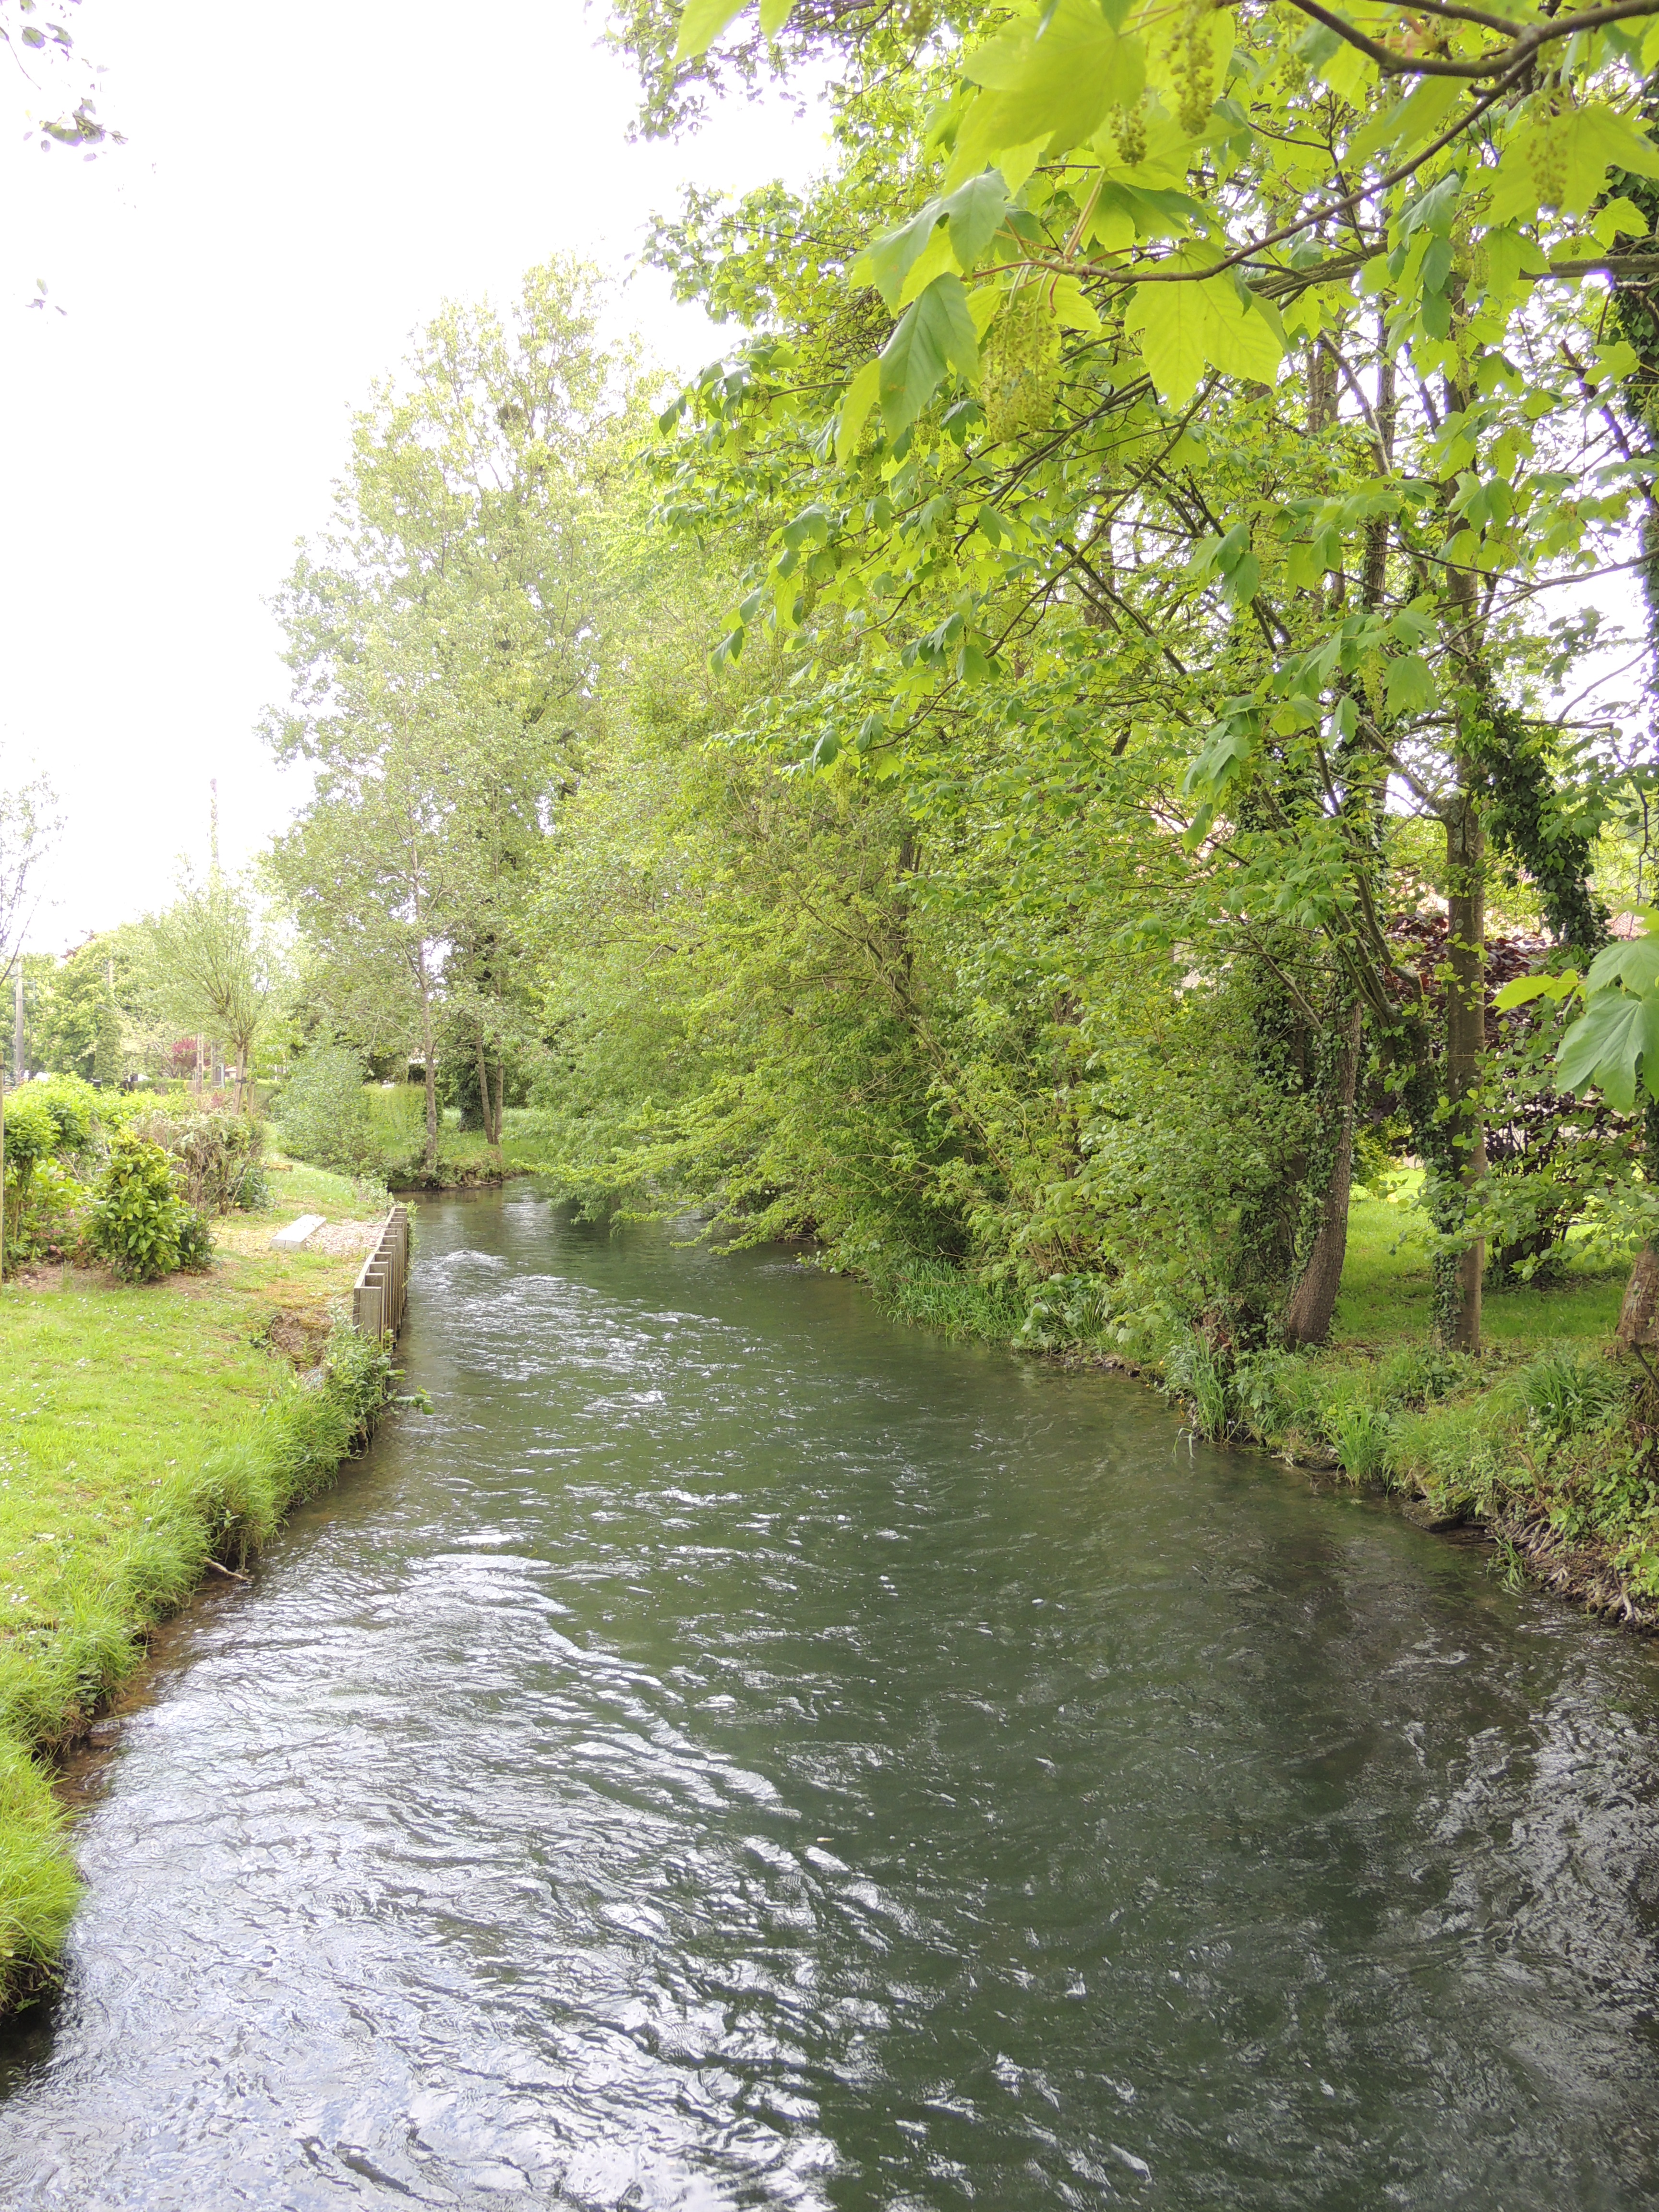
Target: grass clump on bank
[[1549, 1441], [144, 1431]]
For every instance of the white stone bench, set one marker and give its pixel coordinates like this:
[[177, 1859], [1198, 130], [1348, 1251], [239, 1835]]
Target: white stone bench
[[298, 1232]]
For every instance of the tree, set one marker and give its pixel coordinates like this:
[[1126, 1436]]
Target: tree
[[39, 40], [209, 967], [27, 826], [75, 994], [1610, 1045], [1100, 414], [442, 640]]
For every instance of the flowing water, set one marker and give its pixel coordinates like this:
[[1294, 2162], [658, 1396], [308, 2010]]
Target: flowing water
[[736, 1752]]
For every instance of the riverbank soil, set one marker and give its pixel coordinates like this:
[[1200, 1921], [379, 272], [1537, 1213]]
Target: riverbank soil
[[145, 1429]]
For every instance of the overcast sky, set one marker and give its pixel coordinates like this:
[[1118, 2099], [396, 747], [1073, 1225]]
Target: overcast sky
[[303, 185]]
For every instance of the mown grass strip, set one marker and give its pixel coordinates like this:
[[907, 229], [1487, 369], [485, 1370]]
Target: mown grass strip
[[143, 1432]]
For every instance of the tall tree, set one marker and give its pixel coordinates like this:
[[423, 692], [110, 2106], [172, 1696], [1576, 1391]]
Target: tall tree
[[443, 640]]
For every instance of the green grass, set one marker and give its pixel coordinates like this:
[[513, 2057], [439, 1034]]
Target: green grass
[[1384, 1300], [933, 1294], [143, 1430], [398, 1116]]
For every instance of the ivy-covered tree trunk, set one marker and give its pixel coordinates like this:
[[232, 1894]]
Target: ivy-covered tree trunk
[[1457, 1301], [1313, 1302]]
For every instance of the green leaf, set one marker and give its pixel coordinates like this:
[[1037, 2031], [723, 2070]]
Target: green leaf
[[1181, 328], [1054, 84], [774, 14], [1632, 961], [1410, 686], [1348, 72], [1526, 988], [889, 261], [1620, 218], [1562, 162], [861, 394], [1604, 1047], [975, 212], [701, 24], [936, 260], [936, 331], [1420, 116], [1072, 308]]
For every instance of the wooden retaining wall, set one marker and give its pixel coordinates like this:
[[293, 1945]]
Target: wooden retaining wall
[[381, 1290]]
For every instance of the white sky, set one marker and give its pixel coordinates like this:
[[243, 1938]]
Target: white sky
[[303, 186]]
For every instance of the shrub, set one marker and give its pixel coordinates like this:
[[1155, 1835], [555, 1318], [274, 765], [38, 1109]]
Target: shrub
[[195, 1241], [56, 1199], [31, 1138], [325, 1116], [139, 1222], [397, 1112], [211, 1154], [1420, 1375], [74, 1106], [252, 1191]]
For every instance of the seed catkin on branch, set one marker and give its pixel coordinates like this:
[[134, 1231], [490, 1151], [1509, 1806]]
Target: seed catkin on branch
[[1022, 367]]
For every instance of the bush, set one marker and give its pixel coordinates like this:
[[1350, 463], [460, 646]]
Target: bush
[[212, 1154], [252, 1191], [1195, 1370], [397, 1113], [74, 1106], [139, 1222], [31, 1138], [325, 1116], [195, 1241]]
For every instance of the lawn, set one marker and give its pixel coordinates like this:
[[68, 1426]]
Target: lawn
[[1384, 1301], [143, 1430]]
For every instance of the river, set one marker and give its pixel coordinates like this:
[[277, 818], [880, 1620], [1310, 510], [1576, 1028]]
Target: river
[[736, 1752]]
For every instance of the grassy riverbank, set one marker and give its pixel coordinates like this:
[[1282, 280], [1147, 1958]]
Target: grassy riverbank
[[147, 1429], [1547, 1441]]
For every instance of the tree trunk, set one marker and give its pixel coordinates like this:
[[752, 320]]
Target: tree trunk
[[1637, 1316], [497, 1109], [430, 1051], [1466, 1041], [1313, 1302], [483, 1084]]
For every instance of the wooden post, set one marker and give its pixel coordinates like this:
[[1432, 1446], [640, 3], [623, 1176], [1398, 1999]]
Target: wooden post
[[380, 1292]]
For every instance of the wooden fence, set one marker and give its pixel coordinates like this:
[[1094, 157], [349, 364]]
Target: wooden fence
[[379, 1294]]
